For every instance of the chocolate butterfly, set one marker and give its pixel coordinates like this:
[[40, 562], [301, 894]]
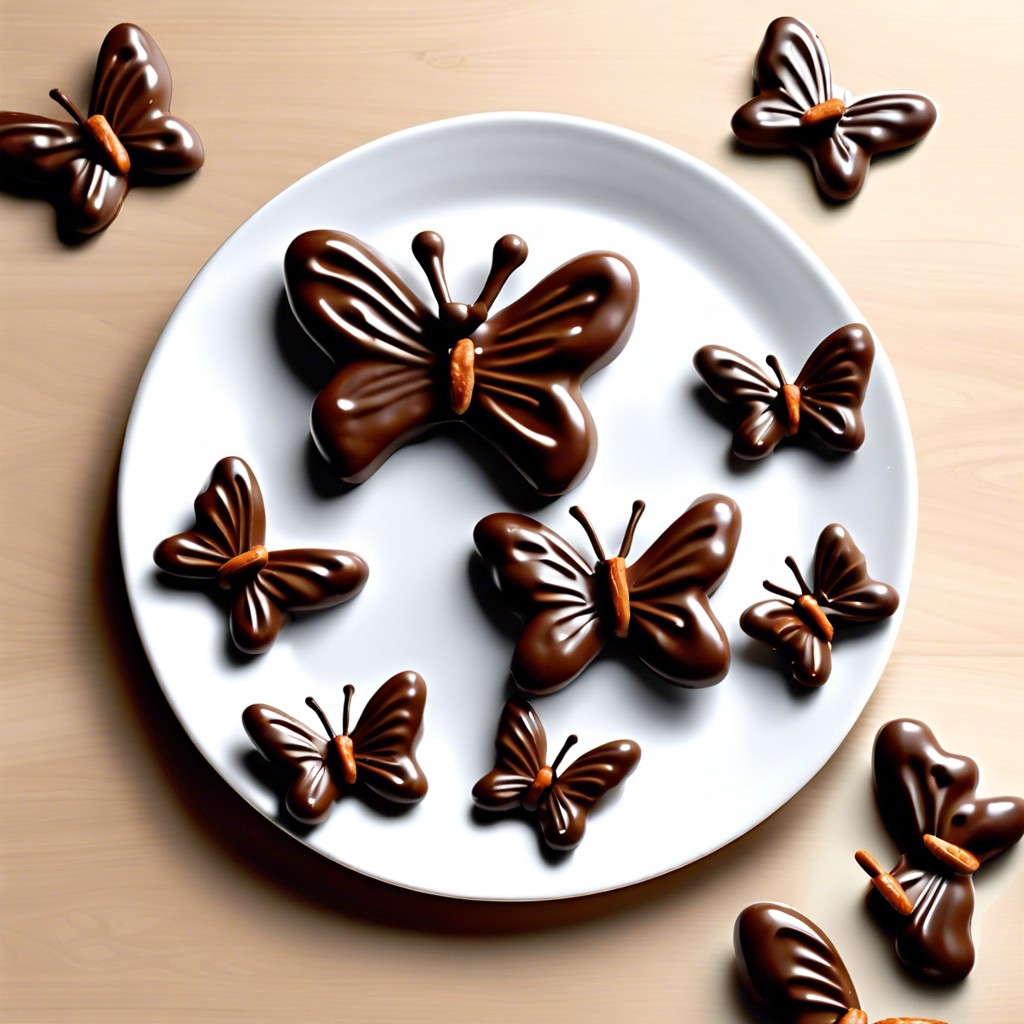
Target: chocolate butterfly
[[226, 547], [522, 777], [797, 108], [801, 628], [378, 753], [823, 403], [513, 377], [84, 167], [928, 801], [659, 605], [790, 967]]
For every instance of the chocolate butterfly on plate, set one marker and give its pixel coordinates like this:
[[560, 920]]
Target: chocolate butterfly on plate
[[801, 629], [561, 800], [226, 549], [513, 377], [84, 167], [797, 108], [378, 754], [790, 967], [929, 803], [823, 404], [658, 606]]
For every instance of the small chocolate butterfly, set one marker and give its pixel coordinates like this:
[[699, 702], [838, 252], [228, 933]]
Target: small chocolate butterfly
[[514, 377], [226, 548], [561, 800], [797, 108], [801, 628], [84, 167], [929, 803], [658, 606], [823, 404], [379, 753], [790, 967]]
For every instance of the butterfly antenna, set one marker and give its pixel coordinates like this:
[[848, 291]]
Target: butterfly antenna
[[509, 255], [580, 516], [777, 368], [804, 588], [349, 690], [570, 741], [627, 540], [774, 588], [428, 248], [61, 97], [323, 718]]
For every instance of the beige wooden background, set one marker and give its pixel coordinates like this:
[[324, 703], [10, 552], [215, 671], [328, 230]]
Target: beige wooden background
[[135, 887]]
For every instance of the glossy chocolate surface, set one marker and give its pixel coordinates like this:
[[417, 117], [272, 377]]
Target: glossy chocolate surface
[[795, 109], [829, 391], [397, 361], [561, 798], [924, 790], [801, 628], [65, 161], [378, 753], [225, 550], [566, 603]]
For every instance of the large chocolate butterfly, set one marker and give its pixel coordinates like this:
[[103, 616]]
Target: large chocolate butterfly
[[797, 108], [790, 967], [226, 549], [801, 628], [379, 753], [658, 606], [928, 801], [84, 167], [561, 800], [823, 404], [513, 377]]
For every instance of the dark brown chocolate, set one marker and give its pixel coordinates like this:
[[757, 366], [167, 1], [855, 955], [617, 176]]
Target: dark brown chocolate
[[225, 549], [822, 405], [378, 754], [514, 377], [84, 167], [658, 606], [801, 628], [523, 778], [924, 791], [797, 108]]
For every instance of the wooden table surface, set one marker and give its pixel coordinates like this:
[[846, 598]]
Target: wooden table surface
[[134, 886]]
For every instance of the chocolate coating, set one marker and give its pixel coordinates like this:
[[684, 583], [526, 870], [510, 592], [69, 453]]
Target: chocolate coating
[[396, 372], [924, 790], [794, 110], [65, 163]]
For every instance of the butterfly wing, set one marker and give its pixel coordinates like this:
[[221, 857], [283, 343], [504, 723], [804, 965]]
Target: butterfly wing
[[230, 519], [132, 90], [742, 385], [532, 359], [546, 581], [286, 741], [671, 625], [300, 579], [563, 810], [777, 624], [384, 340], [842, 584], [522, 751]]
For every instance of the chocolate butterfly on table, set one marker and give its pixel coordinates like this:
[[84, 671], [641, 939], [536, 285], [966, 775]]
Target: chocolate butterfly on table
[[797, 108], [561, 800], [823, 404], [226, 548], [513, 377], [658, 606], [378, 754], [85, 167], [801, 629], [790, 967], [928, 801]]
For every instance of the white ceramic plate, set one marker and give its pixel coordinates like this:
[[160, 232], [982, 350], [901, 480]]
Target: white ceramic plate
[[714, 266]]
